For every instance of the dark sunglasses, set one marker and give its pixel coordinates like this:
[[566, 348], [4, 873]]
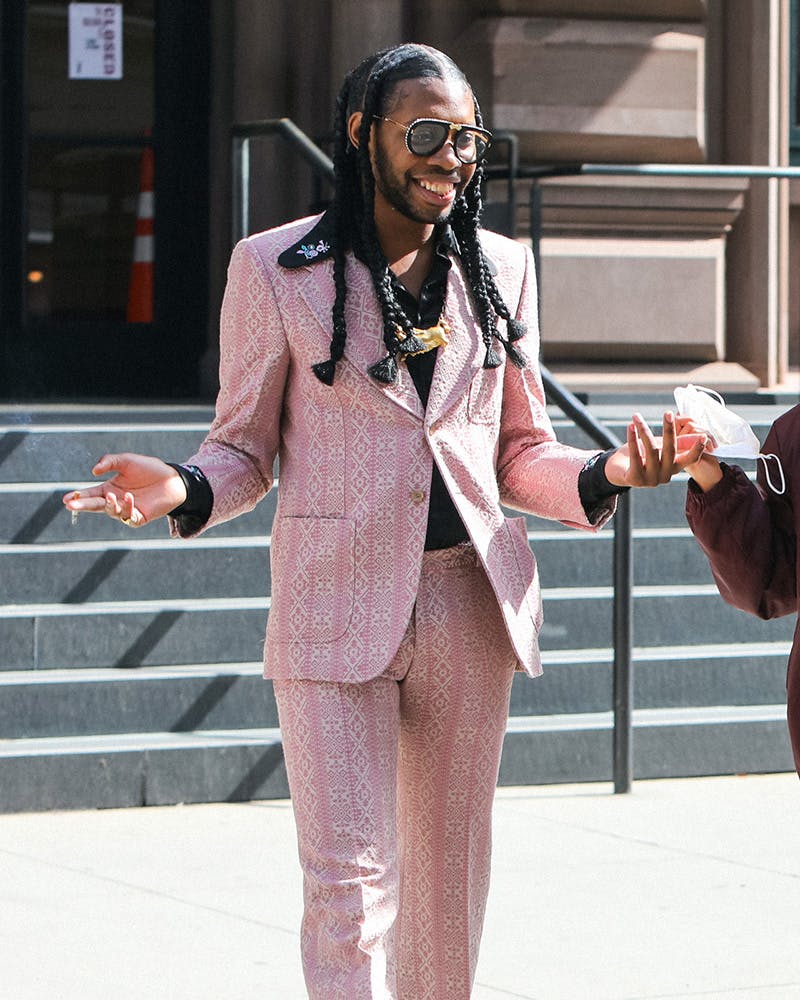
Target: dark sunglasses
[[426, 136]]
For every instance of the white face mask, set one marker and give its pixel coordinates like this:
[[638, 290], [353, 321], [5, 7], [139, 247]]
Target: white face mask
[[733, 435]]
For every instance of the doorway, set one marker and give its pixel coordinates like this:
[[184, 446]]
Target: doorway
[[105, 198]]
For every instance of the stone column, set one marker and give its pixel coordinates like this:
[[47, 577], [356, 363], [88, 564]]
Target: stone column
[[360, 28], [755, 131], [273, 59]]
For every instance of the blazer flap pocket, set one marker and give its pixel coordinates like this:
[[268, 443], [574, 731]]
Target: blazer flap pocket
[[313, 561]]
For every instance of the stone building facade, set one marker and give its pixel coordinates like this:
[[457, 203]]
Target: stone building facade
[[682, 273]]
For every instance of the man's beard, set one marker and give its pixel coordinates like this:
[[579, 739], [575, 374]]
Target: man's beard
[[394, 190]]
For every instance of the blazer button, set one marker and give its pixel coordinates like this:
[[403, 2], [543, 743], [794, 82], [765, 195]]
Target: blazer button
[[418, 496]]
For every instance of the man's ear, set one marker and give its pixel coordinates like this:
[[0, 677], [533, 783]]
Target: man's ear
[[353, 126]]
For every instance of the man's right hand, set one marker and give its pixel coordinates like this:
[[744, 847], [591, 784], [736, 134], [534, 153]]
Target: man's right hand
[[143, 489]]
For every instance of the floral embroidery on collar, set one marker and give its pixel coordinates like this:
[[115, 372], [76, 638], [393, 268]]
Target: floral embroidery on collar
[[310, 251], [314, 246]]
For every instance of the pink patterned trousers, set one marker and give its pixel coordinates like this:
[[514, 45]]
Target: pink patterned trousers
[[392, 783]]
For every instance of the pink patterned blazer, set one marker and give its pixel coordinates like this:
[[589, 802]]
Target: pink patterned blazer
[[355, 459]]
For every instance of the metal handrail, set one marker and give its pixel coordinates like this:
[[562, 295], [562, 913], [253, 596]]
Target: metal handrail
[[657, 170], [558, 394], [321, 164]]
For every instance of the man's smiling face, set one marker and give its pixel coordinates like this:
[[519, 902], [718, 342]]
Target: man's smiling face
[[421, 188]]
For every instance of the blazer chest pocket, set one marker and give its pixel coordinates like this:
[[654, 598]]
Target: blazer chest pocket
[[485, 396], [312, 561]]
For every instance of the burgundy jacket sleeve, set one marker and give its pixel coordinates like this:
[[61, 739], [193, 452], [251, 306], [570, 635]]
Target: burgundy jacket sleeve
[[748, 534]]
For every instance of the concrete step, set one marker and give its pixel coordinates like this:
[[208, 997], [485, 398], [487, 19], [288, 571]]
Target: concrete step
[[23, 416], [33, 513], [661, 615], [67, 452], [673, 676], [154, 569], [82, 702], [131, 633], [663, 507], [679, 743], [86, 701], [214, 566], [186, 631], [228, 766], [130, 663], [759, 417], [64, 447], [31, 510], [111, 771]]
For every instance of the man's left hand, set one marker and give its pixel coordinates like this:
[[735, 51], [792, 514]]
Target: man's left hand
[[647, 460]]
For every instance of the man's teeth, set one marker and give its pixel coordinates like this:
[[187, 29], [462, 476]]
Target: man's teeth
[[437, 188]]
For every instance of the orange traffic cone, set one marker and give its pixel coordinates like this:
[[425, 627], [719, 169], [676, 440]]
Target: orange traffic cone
[[140, 290]]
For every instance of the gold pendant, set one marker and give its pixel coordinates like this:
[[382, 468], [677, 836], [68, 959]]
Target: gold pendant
[[425, 340]]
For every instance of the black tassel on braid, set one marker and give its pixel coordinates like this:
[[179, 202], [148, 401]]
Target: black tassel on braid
[[369, 88], [516, 329]]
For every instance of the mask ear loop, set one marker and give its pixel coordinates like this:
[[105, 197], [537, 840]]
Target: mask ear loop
[[782, 490], [711, 392]]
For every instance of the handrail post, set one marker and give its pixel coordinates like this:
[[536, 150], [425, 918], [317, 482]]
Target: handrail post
[[623, 532], [240, 216], [623, 636], [622, 754]]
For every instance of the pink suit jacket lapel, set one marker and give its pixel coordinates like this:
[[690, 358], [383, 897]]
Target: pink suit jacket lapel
[[364, 344], [457, 364]]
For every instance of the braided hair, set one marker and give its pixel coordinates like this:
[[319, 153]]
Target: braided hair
[[369, 88]]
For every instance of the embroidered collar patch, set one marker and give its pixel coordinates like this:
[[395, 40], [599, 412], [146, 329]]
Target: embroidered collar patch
[[315, 246]]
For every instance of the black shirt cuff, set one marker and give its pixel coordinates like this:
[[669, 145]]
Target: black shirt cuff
[[195, 510], [594, 488]]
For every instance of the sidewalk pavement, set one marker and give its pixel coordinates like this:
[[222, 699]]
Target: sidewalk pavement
[[682, 889]]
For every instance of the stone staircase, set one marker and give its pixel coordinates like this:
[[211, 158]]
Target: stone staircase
[[130, 662]]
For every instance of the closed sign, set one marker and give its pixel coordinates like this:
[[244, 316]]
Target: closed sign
[[95, 41]]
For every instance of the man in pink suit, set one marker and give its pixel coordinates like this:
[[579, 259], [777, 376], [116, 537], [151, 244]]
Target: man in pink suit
[[386, 353]]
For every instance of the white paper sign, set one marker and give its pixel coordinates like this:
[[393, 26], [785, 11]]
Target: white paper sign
[[95, 41]]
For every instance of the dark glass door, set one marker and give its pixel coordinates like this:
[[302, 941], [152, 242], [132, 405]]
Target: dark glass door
[[114, 190]]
